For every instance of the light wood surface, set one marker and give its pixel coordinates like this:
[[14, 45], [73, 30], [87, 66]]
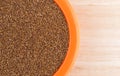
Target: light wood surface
[[99, 25]]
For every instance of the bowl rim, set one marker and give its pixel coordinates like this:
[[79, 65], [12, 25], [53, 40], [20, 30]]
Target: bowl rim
[[69, 15]]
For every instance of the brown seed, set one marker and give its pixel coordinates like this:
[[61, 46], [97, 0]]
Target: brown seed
[[34, 37]]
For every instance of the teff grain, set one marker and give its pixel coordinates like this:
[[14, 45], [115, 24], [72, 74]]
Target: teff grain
[[34, 37]]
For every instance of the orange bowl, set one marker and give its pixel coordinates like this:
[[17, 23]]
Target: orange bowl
[[68, 13]]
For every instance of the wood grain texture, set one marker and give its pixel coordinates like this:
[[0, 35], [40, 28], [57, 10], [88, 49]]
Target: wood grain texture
[[99, 25]]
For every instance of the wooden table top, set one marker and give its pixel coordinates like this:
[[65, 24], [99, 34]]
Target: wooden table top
[[99, 25]]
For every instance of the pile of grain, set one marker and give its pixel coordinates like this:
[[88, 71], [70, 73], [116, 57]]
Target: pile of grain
[[34, 37]]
